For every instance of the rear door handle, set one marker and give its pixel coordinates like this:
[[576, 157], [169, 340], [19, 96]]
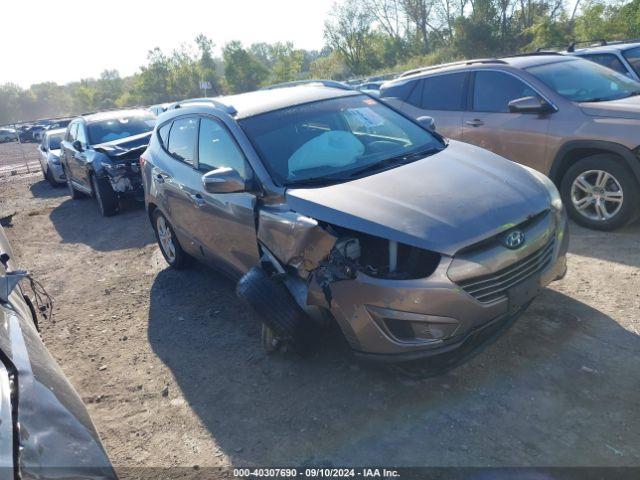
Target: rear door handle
[[197, 199], [160, 178], [476, 122]]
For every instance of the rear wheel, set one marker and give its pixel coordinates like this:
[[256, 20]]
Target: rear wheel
[[105, 196], [600, 192], [168, 243]]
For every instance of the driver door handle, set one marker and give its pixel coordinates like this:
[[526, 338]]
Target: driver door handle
[[197, 199], [476, 122]]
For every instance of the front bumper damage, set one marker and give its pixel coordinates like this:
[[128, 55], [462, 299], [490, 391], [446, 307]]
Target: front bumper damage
[[122, 169], [125, 178], [465, 300]]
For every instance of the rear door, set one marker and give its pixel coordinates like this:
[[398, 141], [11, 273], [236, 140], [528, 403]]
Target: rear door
[[521, 137], [179, 179], [442, 97]]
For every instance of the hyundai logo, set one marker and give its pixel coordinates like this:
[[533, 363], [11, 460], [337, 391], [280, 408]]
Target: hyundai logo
[[514, 239]]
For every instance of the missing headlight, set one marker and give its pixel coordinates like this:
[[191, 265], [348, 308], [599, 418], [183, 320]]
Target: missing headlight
[[382, 258]]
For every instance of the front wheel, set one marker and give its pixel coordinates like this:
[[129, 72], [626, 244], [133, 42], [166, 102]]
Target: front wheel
[[105, 196], [600, 192], [49, 177]]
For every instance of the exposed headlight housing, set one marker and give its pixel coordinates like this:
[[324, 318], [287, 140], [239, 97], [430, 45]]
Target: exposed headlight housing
[[554, 194]]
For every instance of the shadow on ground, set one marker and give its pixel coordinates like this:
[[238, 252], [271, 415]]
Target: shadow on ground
[[620, 246], [79, 221], [560, 388], [43, 189]]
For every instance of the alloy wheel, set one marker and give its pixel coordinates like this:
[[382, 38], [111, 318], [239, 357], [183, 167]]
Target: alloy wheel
[[597, 195], [166, 239]]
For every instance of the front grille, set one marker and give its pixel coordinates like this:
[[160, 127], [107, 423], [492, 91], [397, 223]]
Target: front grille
[[489, 288]]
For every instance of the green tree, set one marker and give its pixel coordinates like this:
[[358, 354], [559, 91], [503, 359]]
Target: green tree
[[242, 70]]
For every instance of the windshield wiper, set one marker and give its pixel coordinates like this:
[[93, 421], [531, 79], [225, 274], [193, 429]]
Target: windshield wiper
[[396, 161]]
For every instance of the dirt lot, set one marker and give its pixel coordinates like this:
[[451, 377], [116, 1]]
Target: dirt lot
[[170, 365]]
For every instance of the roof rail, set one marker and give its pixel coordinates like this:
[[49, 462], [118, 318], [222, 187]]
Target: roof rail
[[451, 64], [216, 103], [325, 83], [532, 54], [594, 43]]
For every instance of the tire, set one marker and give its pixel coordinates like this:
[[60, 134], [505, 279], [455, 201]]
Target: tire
[[275, 306], [600, 192], [73, 193], [49, 177], [105, 196], [174, 255]]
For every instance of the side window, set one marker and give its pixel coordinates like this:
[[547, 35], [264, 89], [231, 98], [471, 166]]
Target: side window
[[71, 134], [182, 139], [163, 134], [443, 92], [493, 91], [608, 60], [415, 97], [81, 135], [217, 148]]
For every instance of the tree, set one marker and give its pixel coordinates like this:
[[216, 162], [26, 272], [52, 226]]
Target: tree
[[207, 64], [347, 31], [242, 71]]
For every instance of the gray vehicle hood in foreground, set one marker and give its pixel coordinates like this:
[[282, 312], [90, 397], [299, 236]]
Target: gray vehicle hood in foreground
[[624, 108], [441, 203]]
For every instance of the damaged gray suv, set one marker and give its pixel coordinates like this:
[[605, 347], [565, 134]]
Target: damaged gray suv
[[331, 206]]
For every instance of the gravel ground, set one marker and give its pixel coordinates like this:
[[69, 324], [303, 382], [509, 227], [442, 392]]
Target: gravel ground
[[171, 368]]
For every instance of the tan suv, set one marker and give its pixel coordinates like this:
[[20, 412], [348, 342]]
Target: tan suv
[[571, 119]]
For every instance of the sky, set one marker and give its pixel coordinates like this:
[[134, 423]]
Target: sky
[[66, 40]]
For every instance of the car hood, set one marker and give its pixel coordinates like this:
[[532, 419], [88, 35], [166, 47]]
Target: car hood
[[442, 203], [125, 147], [55, 153], [623, 108]]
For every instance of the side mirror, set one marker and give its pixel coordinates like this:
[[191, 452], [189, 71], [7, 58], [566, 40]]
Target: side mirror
[[530, 105], [224, 180], [77, 145], [427, 122]]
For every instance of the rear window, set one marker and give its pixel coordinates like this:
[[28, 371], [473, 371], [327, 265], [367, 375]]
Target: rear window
[[116, 128]]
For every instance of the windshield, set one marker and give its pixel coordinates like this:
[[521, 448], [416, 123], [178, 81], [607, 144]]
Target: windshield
[[334, 139], [54, 142], [584, 81], [633, 57], [116, 128]]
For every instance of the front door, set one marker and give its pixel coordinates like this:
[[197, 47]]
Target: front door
[[227, 224], [521, 137]]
